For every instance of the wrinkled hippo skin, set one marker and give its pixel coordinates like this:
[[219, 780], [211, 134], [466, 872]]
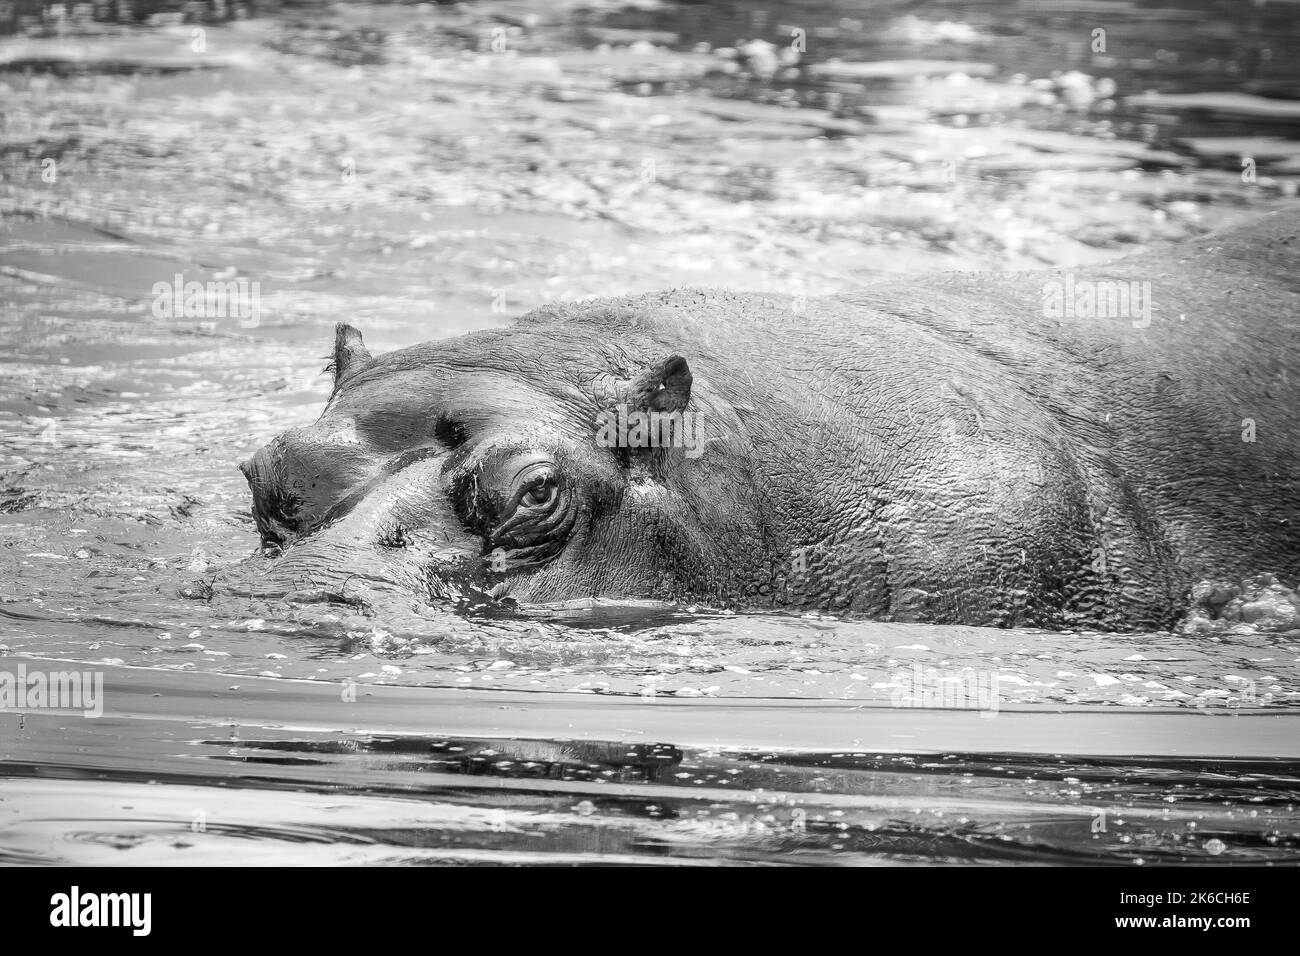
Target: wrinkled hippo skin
[[930, 449]]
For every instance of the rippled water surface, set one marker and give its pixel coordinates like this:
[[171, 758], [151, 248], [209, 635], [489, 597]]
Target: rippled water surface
[[420, 171]]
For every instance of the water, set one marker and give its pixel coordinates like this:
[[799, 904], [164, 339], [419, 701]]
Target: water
[[424, 171], [296, 772]]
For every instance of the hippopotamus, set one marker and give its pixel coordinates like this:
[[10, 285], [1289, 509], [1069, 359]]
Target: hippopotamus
[[1063, 449]]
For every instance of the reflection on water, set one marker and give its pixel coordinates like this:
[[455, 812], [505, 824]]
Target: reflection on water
[[425, 170], [181, 764], [420, 800]]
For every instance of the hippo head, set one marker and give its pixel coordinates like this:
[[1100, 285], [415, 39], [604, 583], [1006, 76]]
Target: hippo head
[[538, 465]]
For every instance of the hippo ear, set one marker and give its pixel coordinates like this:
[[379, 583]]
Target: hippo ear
[[664, 387], [350, 353]]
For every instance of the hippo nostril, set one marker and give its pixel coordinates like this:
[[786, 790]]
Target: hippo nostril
[[450, 433]]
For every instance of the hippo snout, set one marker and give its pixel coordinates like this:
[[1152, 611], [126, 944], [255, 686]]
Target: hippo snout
[[337, 535]]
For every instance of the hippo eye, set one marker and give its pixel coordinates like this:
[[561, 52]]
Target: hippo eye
[[540, 493], [537, 517]]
